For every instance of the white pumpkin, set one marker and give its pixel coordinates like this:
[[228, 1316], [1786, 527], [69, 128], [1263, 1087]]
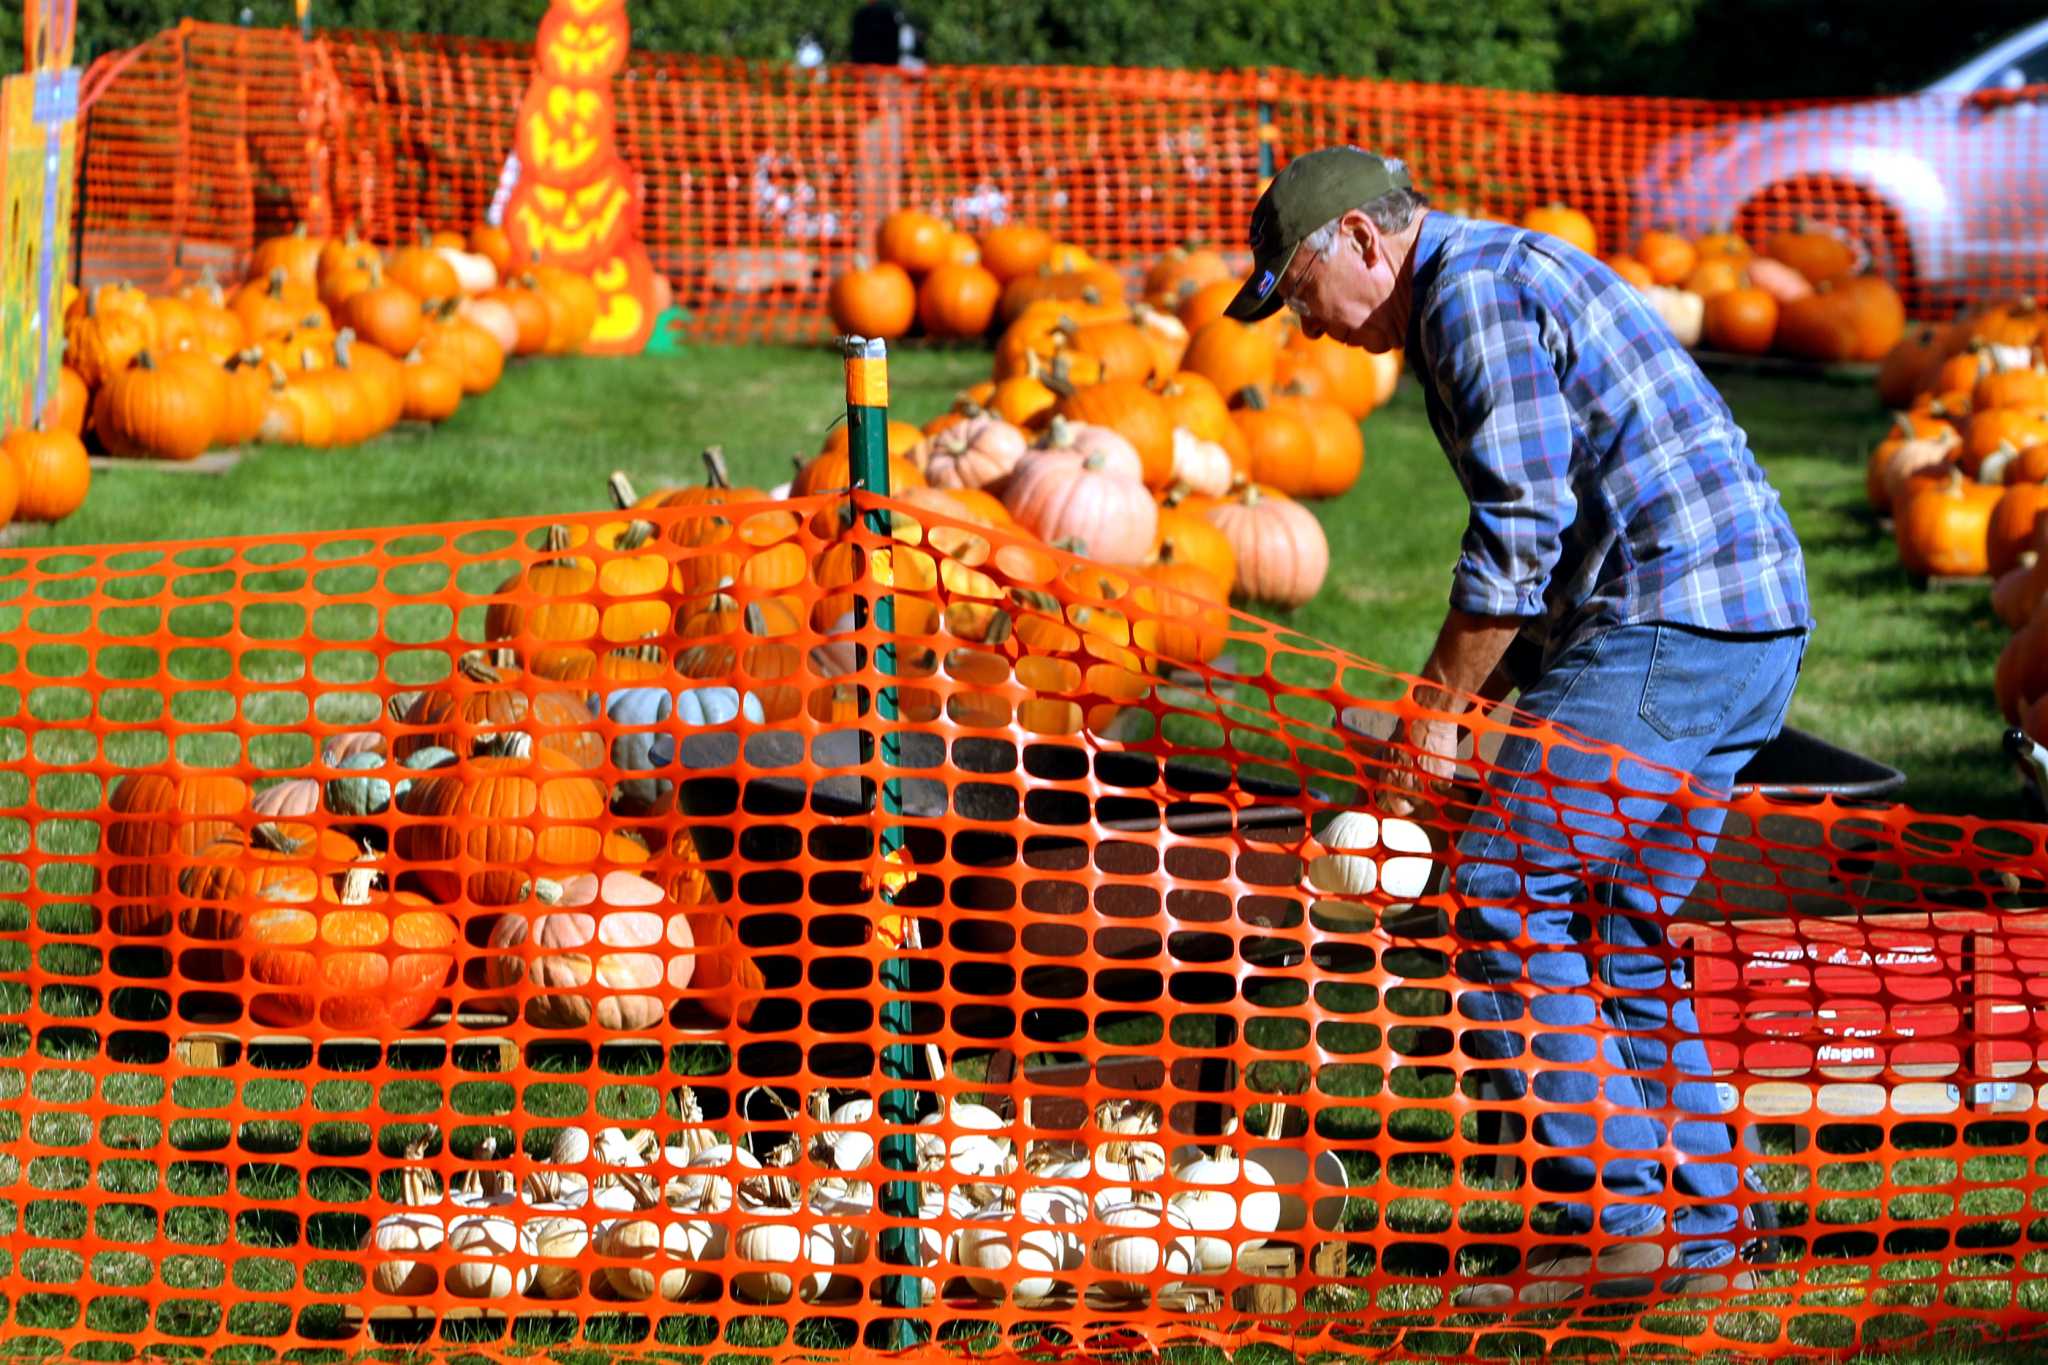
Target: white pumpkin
[[1350, 872], [661, 1256], [474, 274], [484, 1241], [1271, 1209], [1202, 465], [553, 1238], [1683, 311], [408, 1231]]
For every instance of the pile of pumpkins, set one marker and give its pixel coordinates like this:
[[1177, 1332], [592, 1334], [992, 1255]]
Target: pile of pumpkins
[[1804, 295], [329, 342], [930, 278], [767, 1213], [1149, 430], [1962, 473]]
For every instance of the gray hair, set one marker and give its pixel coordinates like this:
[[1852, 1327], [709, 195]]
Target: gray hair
[[1390, 212]]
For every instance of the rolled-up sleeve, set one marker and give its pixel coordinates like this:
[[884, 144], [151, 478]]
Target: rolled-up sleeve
[[1511, 441]]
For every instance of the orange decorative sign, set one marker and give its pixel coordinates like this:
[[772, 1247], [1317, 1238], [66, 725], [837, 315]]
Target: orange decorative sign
[[591, 49], [575, 203]]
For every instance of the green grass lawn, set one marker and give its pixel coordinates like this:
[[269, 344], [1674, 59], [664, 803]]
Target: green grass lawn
[[1900, 674], [1897, 673]]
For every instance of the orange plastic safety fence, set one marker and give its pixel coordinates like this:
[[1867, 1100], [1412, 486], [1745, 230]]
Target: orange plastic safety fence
[[762, 182], [480, 937]]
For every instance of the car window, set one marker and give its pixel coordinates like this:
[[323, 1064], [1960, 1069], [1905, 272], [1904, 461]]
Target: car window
[[2030, 69]]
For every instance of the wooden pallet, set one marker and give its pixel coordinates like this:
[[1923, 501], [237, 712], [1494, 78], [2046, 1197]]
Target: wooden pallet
[[212, 462], [1778, 366]]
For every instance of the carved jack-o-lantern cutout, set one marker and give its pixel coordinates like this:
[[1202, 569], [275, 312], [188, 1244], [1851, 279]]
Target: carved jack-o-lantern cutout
[[573, 226], [623, 283], [575, 201], [588, 50], [565, 132]]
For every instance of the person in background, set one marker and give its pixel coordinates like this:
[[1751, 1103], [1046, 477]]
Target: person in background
[[1622, 532], [885, 49]]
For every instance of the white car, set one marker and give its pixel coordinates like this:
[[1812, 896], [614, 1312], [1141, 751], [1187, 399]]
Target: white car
[[1944, 190]]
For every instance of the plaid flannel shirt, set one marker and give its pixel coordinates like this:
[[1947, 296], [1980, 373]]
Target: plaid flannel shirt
[[1609, 483]]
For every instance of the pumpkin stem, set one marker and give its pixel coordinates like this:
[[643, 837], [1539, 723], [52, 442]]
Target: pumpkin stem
[[715, 475], [356, 883], [544, 890], [145, 360], [277, 282], [344, 344], [1073, 545], [621, 488], [474, 667], [558, 538], [271, 838], [636, 534], [1252, 397]]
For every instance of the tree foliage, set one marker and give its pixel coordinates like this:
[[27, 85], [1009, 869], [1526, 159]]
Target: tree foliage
[[1714, 48]]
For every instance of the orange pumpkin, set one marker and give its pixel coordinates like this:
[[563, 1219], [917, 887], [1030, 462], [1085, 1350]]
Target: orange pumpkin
[[1669, 256], [1015, 250], [958, 300], [1566, 224], [1282, 450], [167, 412], [874, 301], [2027, 388], [521, 817], [1813, 250], [296, 254], [1632, 270], [2011, 530], [1182, 271], [1232, 356], [1944, 527], [1187, 537], [1353, 384], [66, 410], [355, 959], [423, 271], [1338, 445], [1181, 617], [1127, 407], [148, 816], [51, 473], [1741, 320], [913, 240]]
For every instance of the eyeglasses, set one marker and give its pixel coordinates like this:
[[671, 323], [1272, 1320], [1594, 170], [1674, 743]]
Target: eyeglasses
[[1293, 298]]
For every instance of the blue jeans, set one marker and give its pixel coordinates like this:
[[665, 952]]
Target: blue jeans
[[1542, 872]]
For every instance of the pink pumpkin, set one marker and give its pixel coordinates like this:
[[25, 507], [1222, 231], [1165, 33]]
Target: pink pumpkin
[[1084, 488], [606, 945], [978, 452], [1282, 553], [1777, 279]]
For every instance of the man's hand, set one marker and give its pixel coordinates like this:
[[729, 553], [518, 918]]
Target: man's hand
[[1465, 663], [1430, 772]]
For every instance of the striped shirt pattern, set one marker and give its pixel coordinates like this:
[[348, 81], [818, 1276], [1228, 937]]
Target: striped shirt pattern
[[1609, 483]]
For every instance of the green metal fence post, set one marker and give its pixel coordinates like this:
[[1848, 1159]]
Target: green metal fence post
[[867, 421]]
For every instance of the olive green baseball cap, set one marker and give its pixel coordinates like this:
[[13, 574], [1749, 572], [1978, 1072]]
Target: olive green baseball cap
[[1309, 191]]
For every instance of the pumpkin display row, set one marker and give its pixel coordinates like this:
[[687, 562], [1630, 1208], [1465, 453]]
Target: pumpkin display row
[[328, 343], [1130, 428], [767, 1213], [1962, 473], [513, 829], [1803, 295]]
